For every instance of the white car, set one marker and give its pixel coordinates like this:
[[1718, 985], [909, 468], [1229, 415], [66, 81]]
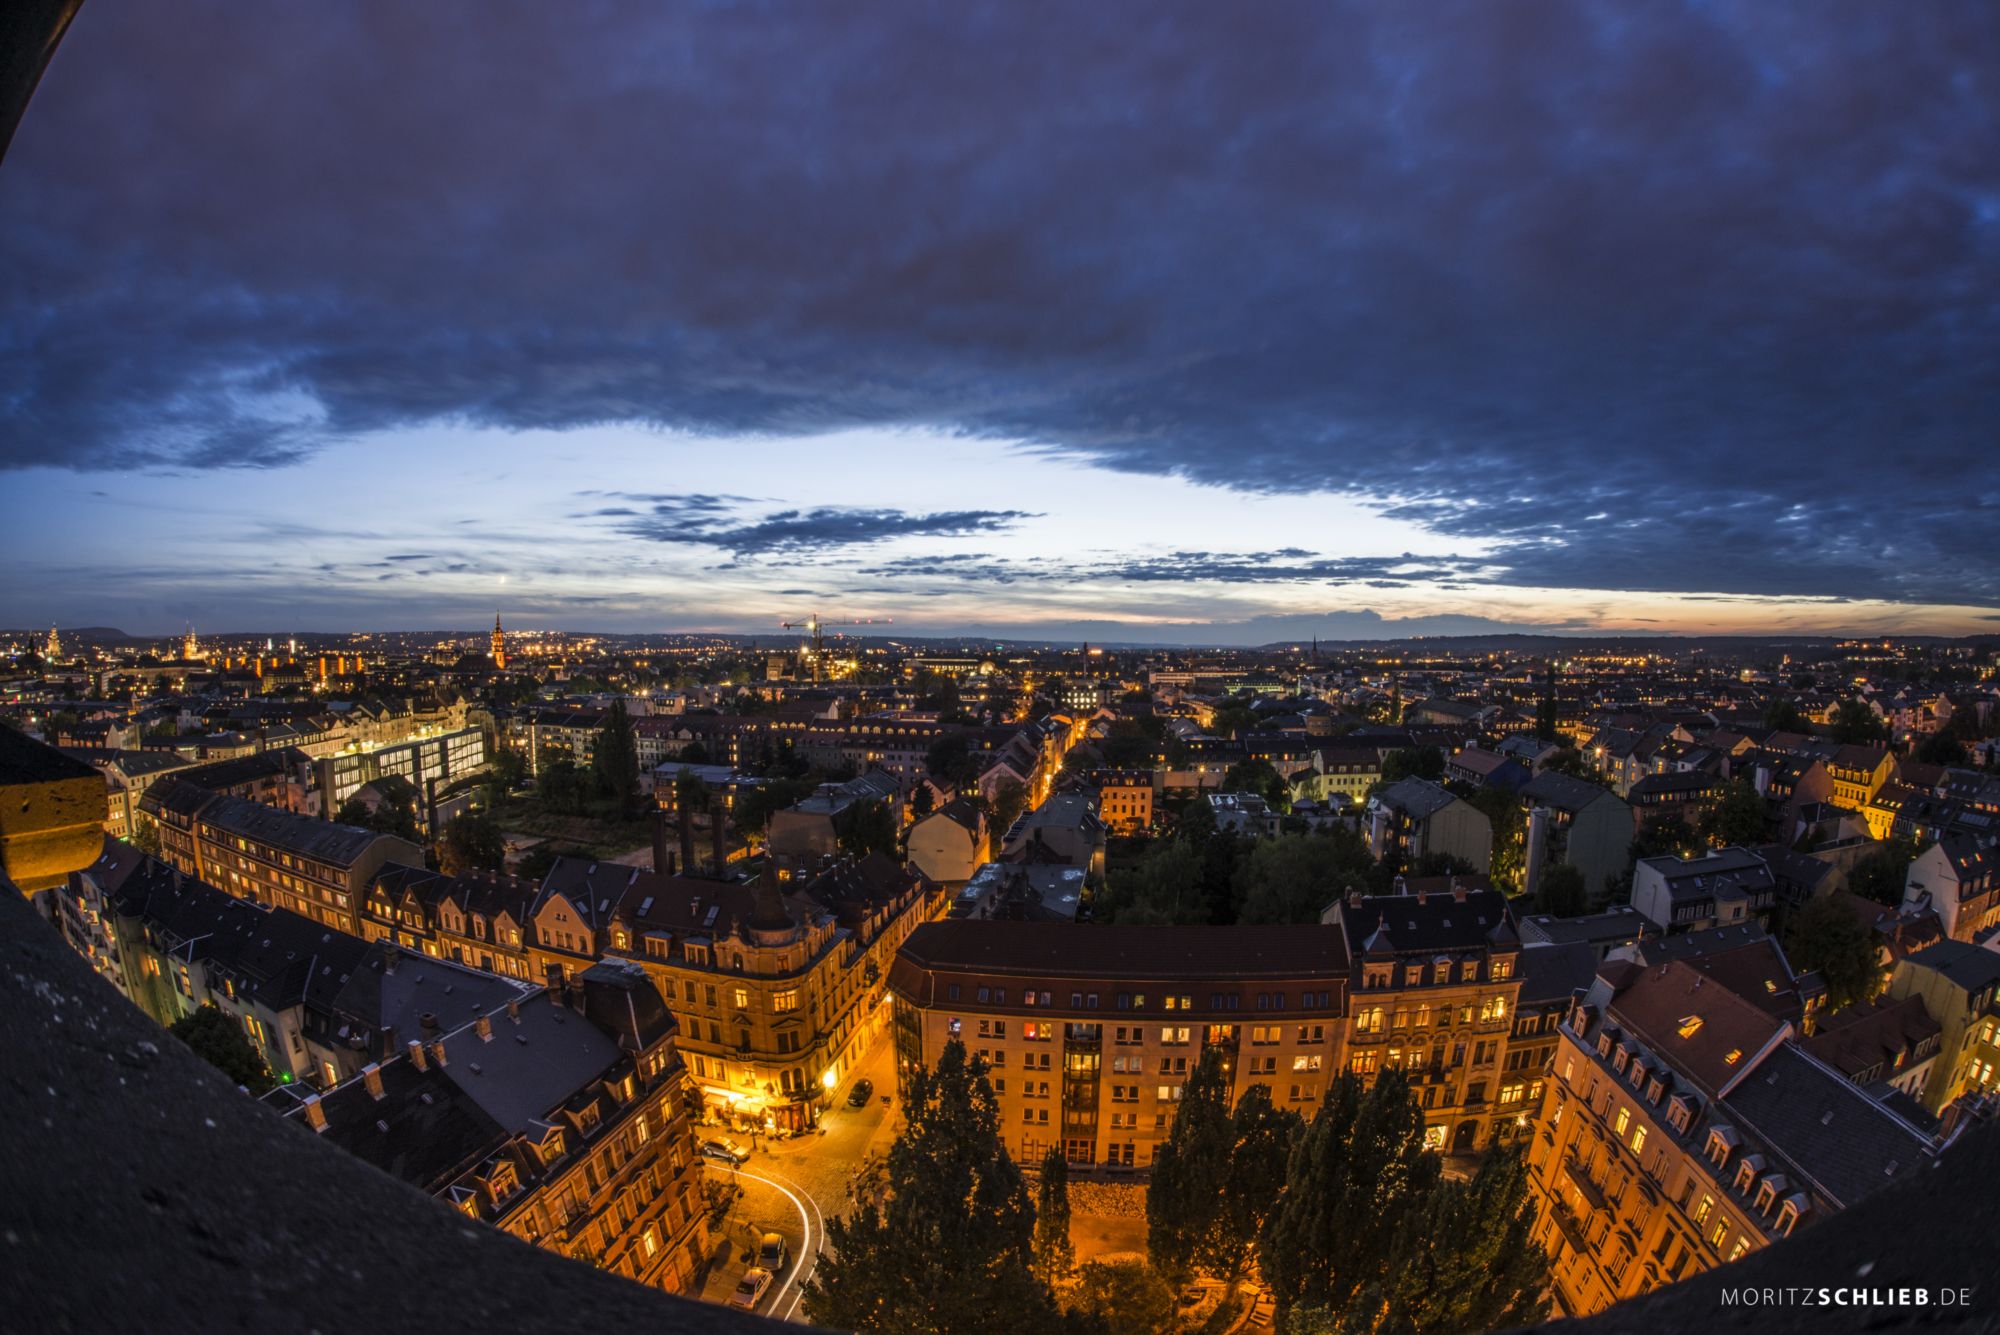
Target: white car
[[755, 1280], [724, 1151]]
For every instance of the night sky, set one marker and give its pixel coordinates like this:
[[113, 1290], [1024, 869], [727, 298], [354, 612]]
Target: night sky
[[1203, 322]]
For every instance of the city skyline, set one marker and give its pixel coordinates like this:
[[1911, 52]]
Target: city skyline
[[1328, 324]]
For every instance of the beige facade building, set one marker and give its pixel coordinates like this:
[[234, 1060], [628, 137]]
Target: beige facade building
[[1090, 1032]]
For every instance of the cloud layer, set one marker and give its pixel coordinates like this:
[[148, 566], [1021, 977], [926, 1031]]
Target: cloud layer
[[1676, 298]]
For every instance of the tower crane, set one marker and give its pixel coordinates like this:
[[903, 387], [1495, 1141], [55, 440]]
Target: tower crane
[[815, 626]]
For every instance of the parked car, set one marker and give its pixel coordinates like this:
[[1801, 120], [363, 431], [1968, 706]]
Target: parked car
[[755, 1280], [772, 1253], [862, 1092], [724, 1151]]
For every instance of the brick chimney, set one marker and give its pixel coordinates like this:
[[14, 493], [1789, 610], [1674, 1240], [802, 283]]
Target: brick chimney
[[417, 1057], [315, 1113], [371, 1077], [483, 1026], [1457, 890], [437, 1053]]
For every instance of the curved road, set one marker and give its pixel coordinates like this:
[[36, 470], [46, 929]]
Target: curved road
[[784, 1303]]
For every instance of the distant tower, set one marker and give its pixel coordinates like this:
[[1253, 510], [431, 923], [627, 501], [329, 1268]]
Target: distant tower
[[52, 647], [190, 647], [499, 644]]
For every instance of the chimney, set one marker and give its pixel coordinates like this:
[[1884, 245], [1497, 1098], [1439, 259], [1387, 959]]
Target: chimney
[[437, 1053], [315, 1114], [483, 1026], [1354, 898], [1457, 890], [1421, 894], [417, 1057], [388, 1044], [1402, 886], [428, 1022], [514, 1011], [371, 1076]]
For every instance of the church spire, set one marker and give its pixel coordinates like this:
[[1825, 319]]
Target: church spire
[[499, 644]]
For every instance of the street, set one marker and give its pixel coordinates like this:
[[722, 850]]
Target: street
[[791, 1187]]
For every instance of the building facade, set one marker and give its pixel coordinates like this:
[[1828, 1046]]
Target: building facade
[[1090, 1032]]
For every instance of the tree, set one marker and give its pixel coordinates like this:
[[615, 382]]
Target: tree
[[394, 812], [1010, 799], [1663, 836], [614, 758], [1358, 1170], [1737, 816], [1293, 878], [220, 1041], [1191, 1173], [146, 835], [1545, 719], [1264, 1135], [922, 801], [560, 785], [471, 842], [1855, 724], [951, 762], [1259, 777], [1943, 748], [1881, 874], [949, 1252], [504, 772], [1232, 718], [1055, 1258], [1124, 1298], [1413, 762], [1825, 935], [1463, 1260], [1502, 808], [1561, 891], [870, 828], [1165, 887], [1784, 716]]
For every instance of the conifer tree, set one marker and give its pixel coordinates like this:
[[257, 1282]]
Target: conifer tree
[[1191, 1173], [950, 1251], [1055, 1258]]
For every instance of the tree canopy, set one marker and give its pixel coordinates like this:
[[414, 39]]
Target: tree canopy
[[1292, 878], [221, 1042], [1825, 934], [950, 1251], [1560, 891], [1055, 1258], [1737, 817], [471, 841]]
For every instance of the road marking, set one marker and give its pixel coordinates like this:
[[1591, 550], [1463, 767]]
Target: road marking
[[805, 1247]]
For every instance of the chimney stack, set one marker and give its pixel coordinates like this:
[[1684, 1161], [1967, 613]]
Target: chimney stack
[[371, 1076], [437, 1053], [1402, 885], [417, 1057], [428, 1022], [483, 1026], [1457, 890], [514, 1011], [315, 1114]]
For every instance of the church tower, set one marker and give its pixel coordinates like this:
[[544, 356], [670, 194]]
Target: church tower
[[499, 644], [52, 647]]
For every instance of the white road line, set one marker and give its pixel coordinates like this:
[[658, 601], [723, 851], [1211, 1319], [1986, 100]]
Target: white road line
[[805, 1248]]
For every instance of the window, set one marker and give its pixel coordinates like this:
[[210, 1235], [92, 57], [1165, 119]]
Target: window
[[1174, 1036], [1368, 1020], [1306, 1062], [787, 1000]]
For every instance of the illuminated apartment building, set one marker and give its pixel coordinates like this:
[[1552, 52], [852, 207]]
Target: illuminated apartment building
[[1683, 1128], [1434, 981], [1091, 1031]]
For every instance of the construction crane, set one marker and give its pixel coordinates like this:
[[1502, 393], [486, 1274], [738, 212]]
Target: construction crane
[[814, 626]]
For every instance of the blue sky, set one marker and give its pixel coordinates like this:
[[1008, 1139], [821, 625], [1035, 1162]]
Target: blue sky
[[1175, 322]]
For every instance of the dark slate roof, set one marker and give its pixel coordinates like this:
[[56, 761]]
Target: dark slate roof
[[1555, 973], [1426, 924], [324, 841], [1416, 797], [394, 988], [1127, 951], [1970, 967], [532, 1064], [425, 1129], [1615, 926], [221, 774], [1824, 1127], [282, 958], [1564, 792]]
